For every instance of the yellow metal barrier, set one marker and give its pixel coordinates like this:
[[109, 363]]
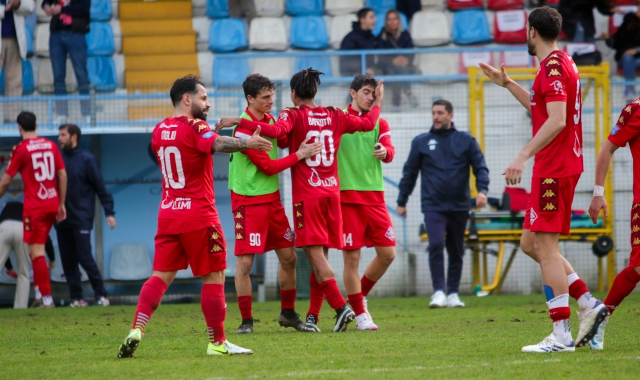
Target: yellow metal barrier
[[597, 78]]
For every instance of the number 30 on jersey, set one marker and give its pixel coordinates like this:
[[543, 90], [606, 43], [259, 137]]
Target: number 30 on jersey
[[327, 155]]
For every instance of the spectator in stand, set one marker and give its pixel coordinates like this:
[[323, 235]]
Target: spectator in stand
[[577, 17], [393, 36], [239, 8], [409, 7], [13, 49], [69, 24], [626, 43], [74, 233], [360, 38]]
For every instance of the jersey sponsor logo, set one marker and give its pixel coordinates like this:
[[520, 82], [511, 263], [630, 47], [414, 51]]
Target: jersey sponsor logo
[[314, 122], [615, 130], [207, 135], [432, 144], [168, 135], [548, 194], [549, 207], [390, 234], [178, 204], [548, 181], [316, 181], [163, 125], [317, 114], [558, 86], [288, 235], [532, 216], [38, 146], [44, 193]]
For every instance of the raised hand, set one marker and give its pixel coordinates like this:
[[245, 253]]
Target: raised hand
[[379, 93], [258, 143], [498, 77]]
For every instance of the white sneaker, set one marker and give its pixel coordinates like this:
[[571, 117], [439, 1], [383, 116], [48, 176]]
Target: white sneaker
[[364, 322], [454, 301], [227, 348], [438, 299], [366, 308], [597, 343], [550, 344], [103, 301], [590, 320]]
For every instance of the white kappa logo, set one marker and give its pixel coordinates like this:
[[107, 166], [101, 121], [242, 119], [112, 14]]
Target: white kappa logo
[[532, 216], [390, 234], [288, 235]]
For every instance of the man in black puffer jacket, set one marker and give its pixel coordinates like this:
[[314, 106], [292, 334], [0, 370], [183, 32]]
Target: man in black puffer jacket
[[360, 38]]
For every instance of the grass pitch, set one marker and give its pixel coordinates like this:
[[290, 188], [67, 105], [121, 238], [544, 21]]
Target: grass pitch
[[481, 341]]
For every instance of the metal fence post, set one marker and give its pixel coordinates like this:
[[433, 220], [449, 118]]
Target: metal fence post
[[92, 104]]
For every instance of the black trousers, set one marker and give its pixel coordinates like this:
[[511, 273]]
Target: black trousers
[[446, 229], [75, 248]]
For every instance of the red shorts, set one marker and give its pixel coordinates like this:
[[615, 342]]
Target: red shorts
[[205, 250], [549, 206], [255, 235], [37, 227], [634, 259], [318, 221], [366, 226]]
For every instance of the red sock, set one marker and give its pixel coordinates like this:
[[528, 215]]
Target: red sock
[[214, 309], [560, 313], [366, 285], [577, 289], [148, 301], [357, 303], [244, 303], [316, 297], [623, 285], [41, 275], [288, 299], [334, 298]]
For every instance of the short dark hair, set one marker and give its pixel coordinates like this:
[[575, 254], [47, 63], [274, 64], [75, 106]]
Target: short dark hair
[[72, 129], [27, 120], [305, 83], [184, 85], [363, 80], [547, 22], [447, 105], [255, 83], [362, 13]]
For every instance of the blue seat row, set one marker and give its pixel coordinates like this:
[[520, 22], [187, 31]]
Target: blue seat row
[[100, 40], [101, 10], [233, 71], [220, 8], [28, 82], [102, 73]]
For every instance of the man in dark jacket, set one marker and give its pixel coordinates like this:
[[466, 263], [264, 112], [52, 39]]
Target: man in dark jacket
[[74, 233], [626, 42], [69, 24], [577, 17], [442, 157], [360, 38]]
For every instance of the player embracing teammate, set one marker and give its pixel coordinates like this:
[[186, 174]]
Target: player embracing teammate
[[315, 184], [556, 114]]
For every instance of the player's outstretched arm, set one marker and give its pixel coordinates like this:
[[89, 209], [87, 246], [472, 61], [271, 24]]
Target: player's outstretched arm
[[228, 144], [274, 131], [265, 164], [501, 78], [602, 168], [4, 183]]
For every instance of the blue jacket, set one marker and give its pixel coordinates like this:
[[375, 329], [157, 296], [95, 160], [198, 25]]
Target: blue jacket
[[83, 183], [443, 159]]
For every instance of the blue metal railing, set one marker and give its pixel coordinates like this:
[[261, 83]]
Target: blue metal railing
[[392, 211]]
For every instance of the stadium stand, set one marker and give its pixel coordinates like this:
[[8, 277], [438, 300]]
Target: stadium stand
[[433, 4], [277, 37], [101, 10], [341, 7], [41, 48], [470, 26], [227, 35], [430, 28], [321, 63], [102, 73], [510, 26], [28, 85], [45, 77], [516, 59], [309, 32], [468, 59], [130, 262], [117, 35], [456, 5], [380, 5], [615, 20], [272, 68], [29, 35], [439, 64], [229, 72], [498, 5], [201, 26], [305, 7], [340, 27], [100, 40], [380, 21], [40, 15], [269, 8], [217, 9]]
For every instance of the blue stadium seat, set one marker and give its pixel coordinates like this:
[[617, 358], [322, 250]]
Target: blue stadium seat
[[101, 10], [470, 26], [29, 36], [319, 62], [28, 83], [217, 9], [102, 73], [305, 7], [100, 40], [227, 35], [309, 32], [381, 17], [230, 72], [381, 5]]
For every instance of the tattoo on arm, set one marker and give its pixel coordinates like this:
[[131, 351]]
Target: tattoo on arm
[[226, 144]]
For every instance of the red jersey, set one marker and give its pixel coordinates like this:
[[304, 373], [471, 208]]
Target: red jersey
[[558, 80], [183, 148], [315, 177], [370, 197], [38, 161], [627, 130]]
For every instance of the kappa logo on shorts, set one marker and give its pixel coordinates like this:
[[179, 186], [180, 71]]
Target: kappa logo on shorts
[[532, 216], [390, 234], [216, 248], [635, 229], [298, 210], [636, 241], [288, 235], [549, 207], [548, 194], [215, 236], [549, 190], [548, 181], [635, 216]]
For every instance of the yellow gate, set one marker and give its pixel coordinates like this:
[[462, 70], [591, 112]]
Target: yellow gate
[[596, 94]]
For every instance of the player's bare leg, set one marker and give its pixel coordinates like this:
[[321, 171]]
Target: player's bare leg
[[591, 313], [148, 301], [244, 263], [287, 281], [317, 256], [41, 275]]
